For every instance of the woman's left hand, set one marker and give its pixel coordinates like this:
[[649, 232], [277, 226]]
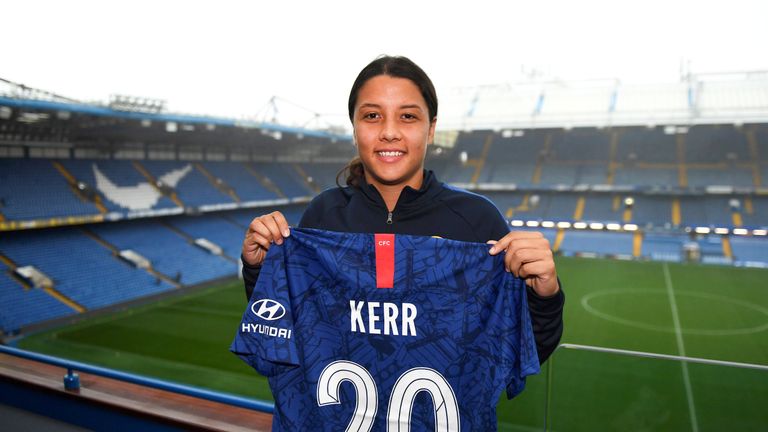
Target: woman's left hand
[[529, 257]]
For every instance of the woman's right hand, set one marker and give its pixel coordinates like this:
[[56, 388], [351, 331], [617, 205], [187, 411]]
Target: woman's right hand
[[262, 232]]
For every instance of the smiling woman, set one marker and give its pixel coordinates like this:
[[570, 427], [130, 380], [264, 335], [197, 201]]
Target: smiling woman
[[393, 109]]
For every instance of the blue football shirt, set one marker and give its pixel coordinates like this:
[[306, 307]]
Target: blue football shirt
[[365, 332]]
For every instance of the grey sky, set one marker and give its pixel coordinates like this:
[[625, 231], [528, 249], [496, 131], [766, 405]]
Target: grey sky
[[229, 57]]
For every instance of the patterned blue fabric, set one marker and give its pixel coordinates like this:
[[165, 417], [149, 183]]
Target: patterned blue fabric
[[432, 353]]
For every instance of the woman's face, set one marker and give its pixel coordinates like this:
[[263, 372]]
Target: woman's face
[[392, 129]]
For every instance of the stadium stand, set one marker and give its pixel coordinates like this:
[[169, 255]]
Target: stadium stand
[[575, 242], [749, 251], [663, 247], [223, 232], [245, 184], [33, 188], [24, 305], [193, 189], [120, 183], [285, 178], [83, 271], [323, 175], [169, 252], [178, 204]]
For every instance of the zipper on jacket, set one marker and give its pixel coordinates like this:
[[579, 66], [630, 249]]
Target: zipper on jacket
[[389, 218]]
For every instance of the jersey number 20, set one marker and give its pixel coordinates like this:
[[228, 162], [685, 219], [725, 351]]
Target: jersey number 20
[[408, 385]]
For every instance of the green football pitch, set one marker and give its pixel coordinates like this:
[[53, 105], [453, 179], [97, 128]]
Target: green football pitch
[[709, 312]]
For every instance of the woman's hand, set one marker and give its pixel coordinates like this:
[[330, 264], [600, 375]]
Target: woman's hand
[[528, 256], [262, 232]]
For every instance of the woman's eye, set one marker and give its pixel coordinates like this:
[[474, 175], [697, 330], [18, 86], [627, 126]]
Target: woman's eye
[[371, 116], [409, 116]]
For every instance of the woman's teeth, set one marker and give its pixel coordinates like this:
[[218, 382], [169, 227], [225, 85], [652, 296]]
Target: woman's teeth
[[390, 153]]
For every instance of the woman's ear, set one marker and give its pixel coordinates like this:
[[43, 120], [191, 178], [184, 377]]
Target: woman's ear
[[431, 137]]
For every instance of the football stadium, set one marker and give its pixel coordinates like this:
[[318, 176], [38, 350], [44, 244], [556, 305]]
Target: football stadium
[[122, 226], [122, 223]]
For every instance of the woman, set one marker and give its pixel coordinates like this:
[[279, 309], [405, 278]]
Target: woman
[[393, 109]]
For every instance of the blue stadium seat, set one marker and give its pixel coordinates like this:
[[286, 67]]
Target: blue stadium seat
[[246, 185], [749, 250], [223, 232], [663, 247], [34, 189], [194, 189], [285, 178], [80, 268], [123, 175], [22, 307], [604, 243], [169, 252]]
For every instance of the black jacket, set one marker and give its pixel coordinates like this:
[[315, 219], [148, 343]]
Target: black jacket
[[434, 210]]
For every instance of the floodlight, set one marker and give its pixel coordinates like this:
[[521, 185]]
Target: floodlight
[[517, 223], [740, 231], [548, 224], [596, 226], [532, 224], [564, 225], [702, 230], [580, 225]]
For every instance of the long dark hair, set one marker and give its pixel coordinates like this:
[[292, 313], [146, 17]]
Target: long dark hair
[[394, 66]]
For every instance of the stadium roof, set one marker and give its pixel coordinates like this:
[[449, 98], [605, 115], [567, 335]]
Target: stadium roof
[[731, 98], [736, 98]]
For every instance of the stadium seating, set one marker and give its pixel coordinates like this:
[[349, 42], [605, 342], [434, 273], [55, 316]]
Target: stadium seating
[[245, 184], [602, 243], [652, 209], [323, 174], [647, 145], [193, 189], [749, 251], [170, 253], [24, 306], [33, 188], [531, 175], [81, 268], [119, 182], [662, 247], [285, 178], [600, 208], [223, 232], [754, 211], [714, 144], [711, 250]]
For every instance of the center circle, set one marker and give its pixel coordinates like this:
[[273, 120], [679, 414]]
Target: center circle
[[585, 302]]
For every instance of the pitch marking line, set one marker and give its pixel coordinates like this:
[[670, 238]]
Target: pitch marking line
[[681, 347]]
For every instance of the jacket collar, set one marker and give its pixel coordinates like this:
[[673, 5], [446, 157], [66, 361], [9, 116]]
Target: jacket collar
[[409, 197]]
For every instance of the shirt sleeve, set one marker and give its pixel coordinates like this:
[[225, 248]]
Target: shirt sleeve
[[526, 361], [264, 337]]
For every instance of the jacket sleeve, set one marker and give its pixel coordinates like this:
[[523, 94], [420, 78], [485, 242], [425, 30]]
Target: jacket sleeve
[[250, 275], [547, 321]]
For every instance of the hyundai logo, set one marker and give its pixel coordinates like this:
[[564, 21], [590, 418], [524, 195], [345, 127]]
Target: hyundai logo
[[268, 309]]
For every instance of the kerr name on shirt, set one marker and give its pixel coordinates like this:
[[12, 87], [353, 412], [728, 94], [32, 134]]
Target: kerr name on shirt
[[383, 318]]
